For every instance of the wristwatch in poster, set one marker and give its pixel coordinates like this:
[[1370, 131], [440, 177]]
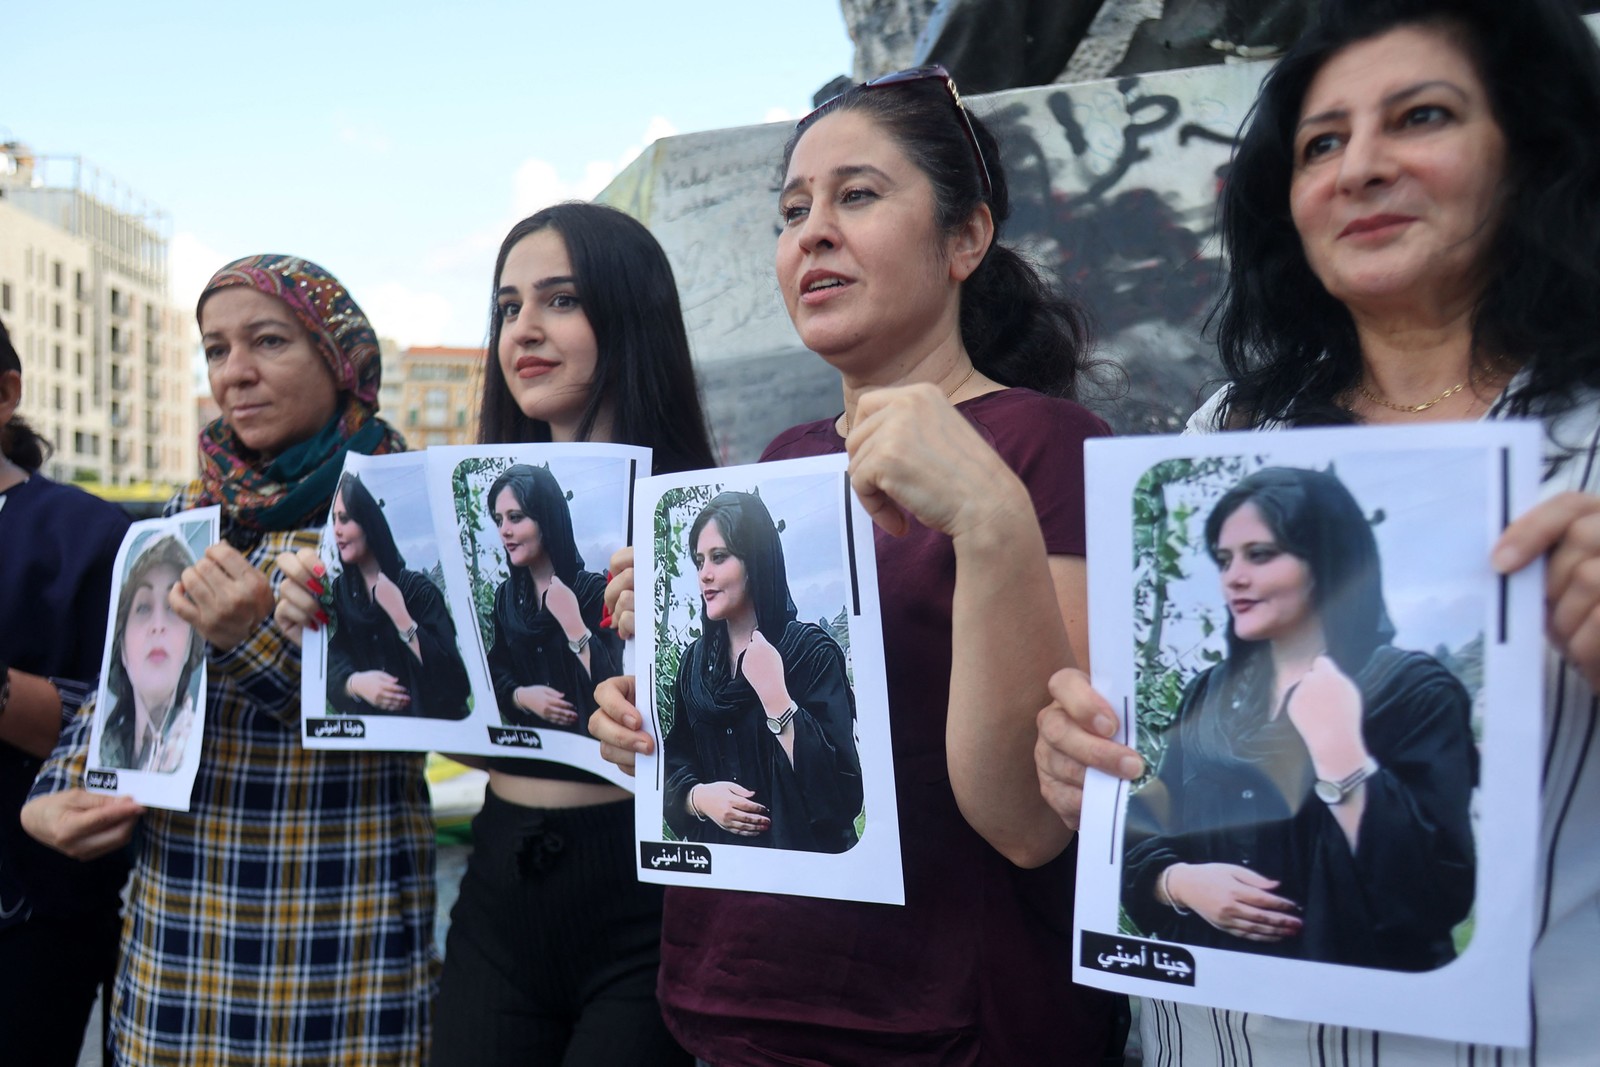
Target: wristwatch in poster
[[777, 725], [1331, 793]]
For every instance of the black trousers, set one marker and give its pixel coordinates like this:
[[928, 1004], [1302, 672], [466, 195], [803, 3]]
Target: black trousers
[[50, 969], [553, 947]]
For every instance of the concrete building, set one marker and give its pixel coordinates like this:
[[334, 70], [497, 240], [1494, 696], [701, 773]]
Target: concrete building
[[439, 390], [105, 355]]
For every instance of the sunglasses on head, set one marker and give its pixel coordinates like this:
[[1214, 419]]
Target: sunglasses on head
[[931, 72]]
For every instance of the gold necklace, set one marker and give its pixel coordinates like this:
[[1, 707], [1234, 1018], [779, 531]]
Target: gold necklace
[[1412, 409], [971, 370]]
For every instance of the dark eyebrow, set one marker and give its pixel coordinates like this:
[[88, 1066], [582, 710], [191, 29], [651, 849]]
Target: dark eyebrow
[[1391, 100], [254, 325], [851, 170], [540, 285]]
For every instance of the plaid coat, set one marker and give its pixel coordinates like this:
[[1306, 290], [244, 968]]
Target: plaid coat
[[287, 918]]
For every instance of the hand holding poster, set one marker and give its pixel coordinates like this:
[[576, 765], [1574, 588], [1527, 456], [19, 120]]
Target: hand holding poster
[[1330, 688], [149, 718], [774, 770]]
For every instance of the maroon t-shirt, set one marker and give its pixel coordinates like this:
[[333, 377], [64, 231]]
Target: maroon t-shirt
[[976, 967]]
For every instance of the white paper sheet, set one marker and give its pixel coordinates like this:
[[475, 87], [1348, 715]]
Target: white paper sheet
[[437, 507], [827, 550], [1435, 499], [150, 709]]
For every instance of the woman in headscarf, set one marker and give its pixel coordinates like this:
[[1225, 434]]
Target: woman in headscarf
[[393, 649], [762, 747], [287, 917]]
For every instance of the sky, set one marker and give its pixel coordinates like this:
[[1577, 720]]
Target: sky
[[392, 143]]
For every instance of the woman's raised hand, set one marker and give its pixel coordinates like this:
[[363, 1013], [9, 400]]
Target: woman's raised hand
[[1325, 708], [1236, 900], [728, 804], [549, 704], [762, 667], [911, 452], [222, 596], [378, 689], [617, 724], [1075, 733], [299, 608], [562, 604], [82, 824], [1568, 527], [619, 593], [387, 596]]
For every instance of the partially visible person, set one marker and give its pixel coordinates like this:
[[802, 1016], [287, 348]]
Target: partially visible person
[[287, 917], [554, 943], [1413, 237], [59, 919], [549, 648], [762, 749], [155, 654], [956, 363], [392, 650]]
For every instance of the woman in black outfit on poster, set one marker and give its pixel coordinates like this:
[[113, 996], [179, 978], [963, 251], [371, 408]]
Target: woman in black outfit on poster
[[392, 648], [549, 647], [1237, 810], [762, 747]]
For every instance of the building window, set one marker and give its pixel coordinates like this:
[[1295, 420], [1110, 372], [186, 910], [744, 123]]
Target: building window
[[77, 285], [58, 357], [59, 271], [60, 319], [77, 362], [5, 296]]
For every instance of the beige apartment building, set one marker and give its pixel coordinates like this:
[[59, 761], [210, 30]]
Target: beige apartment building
[[106, 358], [432, 394]]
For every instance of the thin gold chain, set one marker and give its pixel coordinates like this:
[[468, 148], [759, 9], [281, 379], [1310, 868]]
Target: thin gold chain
[[965, 378], [1410, 409]]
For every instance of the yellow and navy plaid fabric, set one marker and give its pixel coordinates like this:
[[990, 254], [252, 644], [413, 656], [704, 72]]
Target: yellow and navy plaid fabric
[[287, 917]]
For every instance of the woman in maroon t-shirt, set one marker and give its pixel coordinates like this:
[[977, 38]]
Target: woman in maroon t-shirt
[[945, 340]]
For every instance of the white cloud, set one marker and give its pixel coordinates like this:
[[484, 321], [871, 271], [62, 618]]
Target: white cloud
[[411, 316], [190, 264], [537, 184]]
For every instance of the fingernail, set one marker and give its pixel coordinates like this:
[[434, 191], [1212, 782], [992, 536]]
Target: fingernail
[[1130, 767], [1502, 559], [322, 616], [316, 587], [639, 746], [605, 618], [319, 570], [1104, 725]]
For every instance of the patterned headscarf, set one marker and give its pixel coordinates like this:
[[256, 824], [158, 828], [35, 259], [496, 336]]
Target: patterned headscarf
[[292, 489]]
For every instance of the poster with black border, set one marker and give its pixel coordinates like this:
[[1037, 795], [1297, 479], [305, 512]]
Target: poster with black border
[[150, 708], [1336, 698], [761, 675]]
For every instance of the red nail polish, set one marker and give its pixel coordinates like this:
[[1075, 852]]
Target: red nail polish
[[319, 570], [315, 587], [605, 618], [322, 616]]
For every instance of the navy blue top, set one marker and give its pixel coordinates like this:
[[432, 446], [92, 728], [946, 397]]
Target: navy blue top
[[58, 546]]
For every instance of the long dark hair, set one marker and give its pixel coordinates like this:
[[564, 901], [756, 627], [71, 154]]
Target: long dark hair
[[18, 441], [750, 534], [166, 550], [1313, 517], [1016, 329], [367, 513], [643, 371], [1290, 348], [542, 499]]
